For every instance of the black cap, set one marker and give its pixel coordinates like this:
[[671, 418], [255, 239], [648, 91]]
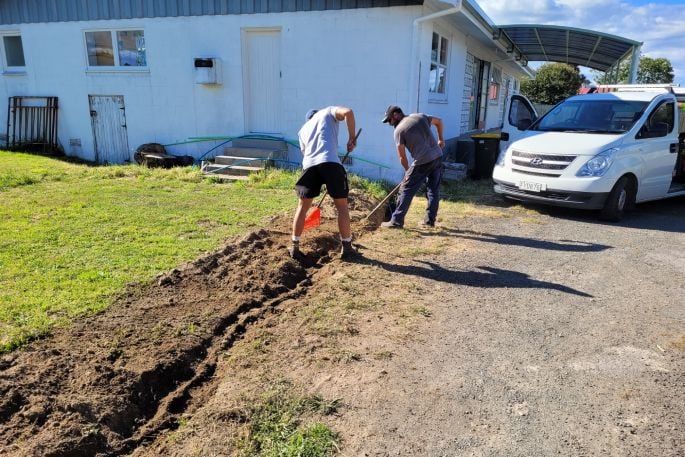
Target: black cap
[[388, 112]]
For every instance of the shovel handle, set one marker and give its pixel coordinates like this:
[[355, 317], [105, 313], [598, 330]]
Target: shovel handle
[[385, 200], [318, 205]]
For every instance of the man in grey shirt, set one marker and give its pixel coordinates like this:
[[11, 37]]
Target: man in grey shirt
[[413, 132]]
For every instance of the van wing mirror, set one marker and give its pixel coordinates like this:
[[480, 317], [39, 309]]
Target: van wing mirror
[[504, 136]]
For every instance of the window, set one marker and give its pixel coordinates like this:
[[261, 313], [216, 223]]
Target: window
[[438, 70], [495, 83], [122, 48], [14, 52], [660, 122], [520, 113]]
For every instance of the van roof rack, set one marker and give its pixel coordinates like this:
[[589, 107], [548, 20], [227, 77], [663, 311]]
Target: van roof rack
[[636, 88]]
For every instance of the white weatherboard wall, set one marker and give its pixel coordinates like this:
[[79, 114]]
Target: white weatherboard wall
[[359, 58]]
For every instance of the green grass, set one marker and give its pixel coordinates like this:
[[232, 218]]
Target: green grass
[[276, 428], [72, 235]]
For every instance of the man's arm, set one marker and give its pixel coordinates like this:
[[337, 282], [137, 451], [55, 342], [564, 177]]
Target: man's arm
[[437, 122], [344, 113], [402, 154]]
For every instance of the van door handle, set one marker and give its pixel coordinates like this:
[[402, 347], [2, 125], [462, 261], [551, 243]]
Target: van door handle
[[673, 148]]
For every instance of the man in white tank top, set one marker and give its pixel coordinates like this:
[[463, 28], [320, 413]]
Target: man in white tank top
[[319, 145]]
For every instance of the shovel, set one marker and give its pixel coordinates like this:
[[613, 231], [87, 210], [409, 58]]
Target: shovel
[[383, 202], [314, 218]]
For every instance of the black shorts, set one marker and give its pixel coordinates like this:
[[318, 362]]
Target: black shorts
[[332, 174]]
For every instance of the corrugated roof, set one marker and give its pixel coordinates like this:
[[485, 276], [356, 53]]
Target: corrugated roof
[[554, 43], [33, 11]]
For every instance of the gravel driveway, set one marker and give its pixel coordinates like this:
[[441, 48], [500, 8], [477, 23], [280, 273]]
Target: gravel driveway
[[549, 333]]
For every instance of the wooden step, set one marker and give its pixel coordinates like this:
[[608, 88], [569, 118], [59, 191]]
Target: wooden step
[[216, 169], [250, 152], [258, 143], [239, 160], [228, 177]]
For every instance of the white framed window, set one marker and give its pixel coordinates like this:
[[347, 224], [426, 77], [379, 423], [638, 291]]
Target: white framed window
[[437, 81], [116, 49], [13, 52]]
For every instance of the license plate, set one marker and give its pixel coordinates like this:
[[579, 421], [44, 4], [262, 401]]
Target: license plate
[[532, 186]]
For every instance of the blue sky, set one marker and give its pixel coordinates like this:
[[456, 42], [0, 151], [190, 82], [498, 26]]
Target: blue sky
[[659, 25]]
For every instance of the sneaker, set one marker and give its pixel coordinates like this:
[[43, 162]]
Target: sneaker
[[294, 250], [347, 250], [390, 224]]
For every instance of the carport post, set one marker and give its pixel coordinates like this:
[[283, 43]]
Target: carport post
[[634, 64]]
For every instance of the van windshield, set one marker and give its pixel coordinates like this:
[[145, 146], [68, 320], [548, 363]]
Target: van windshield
[[593, 116]]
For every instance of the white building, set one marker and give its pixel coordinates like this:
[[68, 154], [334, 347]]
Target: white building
[[128, 72]]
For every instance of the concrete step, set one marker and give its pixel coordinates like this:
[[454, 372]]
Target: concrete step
[[239, 160], [241, 170], [257, 143], [251, 152]]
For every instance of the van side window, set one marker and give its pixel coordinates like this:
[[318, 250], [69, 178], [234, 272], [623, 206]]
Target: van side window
[[520, 112], [660, 122]]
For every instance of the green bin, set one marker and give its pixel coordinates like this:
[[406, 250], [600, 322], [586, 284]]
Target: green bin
[[487, 150]]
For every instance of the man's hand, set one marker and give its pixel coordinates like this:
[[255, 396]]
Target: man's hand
[[351, 144]]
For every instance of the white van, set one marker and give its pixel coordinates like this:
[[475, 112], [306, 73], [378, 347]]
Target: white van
[[604, 151]]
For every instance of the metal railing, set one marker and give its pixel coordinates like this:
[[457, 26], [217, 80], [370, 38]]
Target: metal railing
[[32, 124]]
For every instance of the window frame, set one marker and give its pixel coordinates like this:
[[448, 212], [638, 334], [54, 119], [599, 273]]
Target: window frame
[[434, 96], [8, 69], [117, 67], [650, 120]]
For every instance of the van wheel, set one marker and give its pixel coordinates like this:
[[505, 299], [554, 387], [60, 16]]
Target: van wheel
[[620, 199]]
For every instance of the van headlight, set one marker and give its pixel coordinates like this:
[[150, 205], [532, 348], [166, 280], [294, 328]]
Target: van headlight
[[598, 165]]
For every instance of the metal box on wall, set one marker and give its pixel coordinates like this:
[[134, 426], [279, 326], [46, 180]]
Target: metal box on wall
[[207, 70]]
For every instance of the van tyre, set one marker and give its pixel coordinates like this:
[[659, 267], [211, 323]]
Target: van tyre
[[620, 199]]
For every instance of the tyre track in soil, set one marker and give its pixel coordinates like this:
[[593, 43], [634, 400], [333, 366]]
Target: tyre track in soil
[[116, 380]]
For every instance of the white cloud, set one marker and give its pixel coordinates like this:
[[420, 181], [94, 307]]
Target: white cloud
[[659, 26]]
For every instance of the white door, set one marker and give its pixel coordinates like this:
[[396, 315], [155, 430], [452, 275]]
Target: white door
[[655, 148], [108, 118], [518, 115], [262, 80]]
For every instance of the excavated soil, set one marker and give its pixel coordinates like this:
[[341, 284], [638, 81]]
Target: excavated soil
[[118, 379], [506, 331]]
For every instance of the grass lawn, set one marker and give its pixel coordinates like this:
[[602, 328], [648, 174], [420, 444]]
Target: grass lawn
[[72, 235]]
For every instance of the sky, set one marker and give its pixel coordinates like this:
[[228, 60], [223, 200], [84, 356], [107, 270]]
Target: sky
[[659, 25]]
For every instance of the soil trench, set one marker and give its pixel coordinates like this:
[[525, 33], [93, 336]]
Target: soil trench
[[115, 381]]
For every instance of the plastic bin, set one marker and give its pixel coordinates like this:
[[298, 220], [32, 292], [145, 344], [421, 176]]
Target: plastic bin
[[487, 150]]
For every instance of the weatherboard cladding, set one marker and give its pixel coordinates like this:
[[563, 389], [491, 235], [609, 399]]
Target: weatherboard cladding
[[33, 11]]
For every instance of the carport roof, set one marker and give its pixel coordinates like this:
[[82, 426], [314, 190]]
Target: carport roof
[[554, 43]]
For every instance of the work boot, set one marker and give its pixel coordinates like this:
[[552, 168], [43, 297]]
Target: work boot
[[347, 250], [390, 224], [294, 250]]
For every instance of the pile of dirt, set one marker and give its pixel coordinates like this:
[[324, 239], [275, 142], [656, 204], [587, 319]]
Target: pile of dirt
[[115, 381]]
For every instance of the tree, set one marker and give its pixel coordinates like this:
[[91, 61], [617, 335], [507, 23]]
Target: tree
[[649, 71], [553, 83]]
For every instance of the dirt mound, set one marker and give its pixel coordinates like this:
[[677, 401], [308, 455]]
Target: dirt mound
[[115, 380]]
